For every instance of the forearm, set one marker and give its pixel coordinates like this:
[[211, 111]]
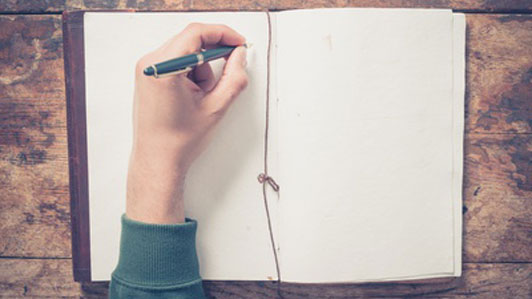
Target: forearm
[[155, 188], [157, 247]]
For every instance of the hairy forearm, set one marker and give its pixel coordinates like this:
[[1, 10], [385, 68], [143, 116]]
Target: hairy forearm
[[155, 189]]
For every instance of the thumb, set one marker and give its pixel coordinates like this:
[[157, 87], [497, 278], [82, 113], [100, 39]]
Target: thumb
[[233, 80]]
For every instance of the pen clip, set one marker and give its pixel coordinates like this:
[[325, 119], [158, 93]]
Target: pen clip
[[181, 71]]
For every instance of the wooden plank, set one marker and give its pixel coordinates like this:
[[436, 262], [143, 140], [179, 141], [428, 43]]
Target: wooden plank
[[34, 218], [34, 205], [34, 6], [499, 73], [53, 278], [464, 5], [497, 193], [478, 281], [37, 278], [40, 6], [140, 5]]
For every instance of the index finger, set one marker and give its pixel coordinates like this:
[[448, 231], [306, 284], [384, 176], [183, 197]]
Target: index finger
[[197, 36]]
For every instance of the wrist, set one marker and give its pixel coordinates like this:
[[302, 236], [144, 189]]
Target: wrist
[[155, 188]]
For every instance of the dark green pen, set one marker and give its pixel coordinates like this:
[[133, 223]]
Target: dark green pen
[[186, 63]]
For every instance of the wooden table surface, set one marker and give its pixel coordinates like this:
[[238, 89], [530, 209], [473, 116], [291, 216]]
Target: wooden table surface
[[35, 251]]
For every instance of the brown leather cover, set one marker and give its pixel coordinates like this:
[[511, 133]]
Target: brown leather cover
[[77, 143]]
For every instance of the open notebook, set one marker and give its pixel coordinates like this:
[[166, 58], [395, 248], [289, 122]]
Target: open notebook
[[365, 141]]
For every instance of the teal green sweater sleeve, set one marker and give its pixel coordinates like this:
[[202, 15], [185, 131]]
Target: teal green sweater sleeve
[[157, 261]]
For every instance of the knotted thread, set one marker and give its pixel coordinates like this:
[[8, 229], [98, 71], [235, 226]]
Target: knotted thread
[[262, 178]]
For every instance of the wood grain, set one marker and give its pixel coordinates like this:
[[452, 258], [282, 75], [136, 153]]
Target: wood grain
[[34, 205], [34, 201], [464, 5], [52, 278], [43, 6], [35, 6], [497, 193], [499, 74]]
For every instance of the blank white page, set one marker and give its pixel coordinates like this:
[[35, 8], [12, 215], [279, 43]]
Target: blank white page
[[366, 144], [221, 191]]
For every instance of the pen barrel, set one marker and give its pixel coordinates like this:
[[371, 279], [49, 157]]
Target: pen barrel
[[191, 60], [176, 64], [212, 54]]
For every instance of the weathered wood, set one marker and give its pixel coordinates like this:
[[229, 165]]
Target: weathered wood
[[140, 5], [478, 281], [53, 278], [34, 205], [465, 5], [50, 278], [499, 73], [34, 213], [497, 198], [24, 6]]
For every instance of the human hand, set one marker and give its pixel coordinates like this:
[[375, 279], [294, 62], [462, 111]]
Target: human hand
[[173, 118]]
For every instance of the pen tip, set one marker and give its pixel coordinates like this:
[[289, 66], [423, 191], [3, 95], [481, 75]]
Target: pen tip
[[148, 71], [248, 45]]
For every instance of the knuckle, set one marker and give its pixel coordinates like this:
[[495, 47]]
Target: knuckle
[[194, 26], [224, 27], [242, 81], [218, 113], [239, 81], [215, 112]]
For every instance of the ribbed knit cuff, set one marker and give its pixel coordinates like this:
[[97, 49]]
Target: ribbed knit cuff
[[157, 256]]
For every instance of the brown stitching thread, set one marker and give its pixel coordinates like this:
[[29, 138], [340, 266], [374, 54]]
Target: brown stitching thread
[[263, 177]]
